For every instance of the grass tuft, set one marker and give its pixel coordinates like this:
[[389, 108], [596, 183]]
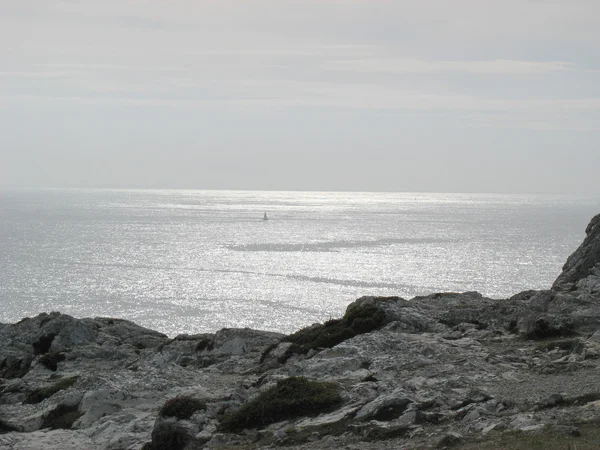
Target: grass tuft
[[357, 320], [291, 397], [583, 437], [182, 407]]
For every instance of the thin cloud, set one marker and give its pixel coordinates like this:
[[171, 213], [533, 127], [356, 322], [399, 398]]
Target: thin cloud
[[35, 74], [499, 66], [84, 66]]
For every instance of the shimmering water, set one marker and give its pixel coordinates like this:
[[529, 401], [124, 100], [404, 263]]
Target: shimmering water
[[197, 261]]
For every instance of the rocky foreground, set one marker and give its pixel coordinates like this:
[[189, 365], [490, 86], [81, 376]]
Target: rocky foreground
[[434, 372]]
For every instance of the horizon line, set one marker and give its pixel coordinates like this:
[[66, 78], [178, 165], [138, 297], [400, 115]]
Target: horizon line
[[349, 191]]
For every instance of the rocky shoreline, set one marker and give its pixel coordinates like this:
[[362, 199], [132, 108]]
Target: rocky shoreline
[[445, 370]]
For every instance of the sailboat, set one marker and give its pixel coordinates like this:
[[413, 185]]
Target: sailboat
[[265, 217]]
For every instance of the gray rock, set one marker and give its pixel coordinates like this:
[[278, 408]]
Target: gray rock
[[552, 401], [97, 404], [376, 430], [450, 439], [522, 422], [471, 416], [583, 262], [385, 407]]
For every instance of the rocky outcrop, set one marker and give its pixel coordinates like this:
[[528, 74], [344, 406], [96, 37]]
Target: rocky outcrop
[[431, 372], [582, 269]]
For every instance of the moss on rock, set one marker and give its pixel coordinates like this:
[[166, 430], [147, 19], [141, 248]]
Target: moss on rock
[[359, 319], [182, 407], [291, 397]]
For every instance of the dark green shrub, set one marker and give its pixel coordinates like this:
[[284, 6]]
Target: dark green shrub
[[363, 325], [181, 407], [169, 436], [291, 397], [357, 320], [43, 393]]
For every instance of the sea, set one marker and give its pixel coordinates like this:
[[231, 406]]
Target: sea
[[197, 261]]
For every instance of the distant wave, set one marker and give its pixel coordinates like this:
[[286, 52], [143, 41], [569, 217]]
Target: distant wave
[[352, 283], [340, 282], [332, 246]]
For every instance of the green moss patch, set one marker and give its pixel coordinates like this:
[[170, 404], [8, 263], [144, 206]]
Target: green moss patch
[[291, 397], [41, 394], [182, 407], [357, 320]]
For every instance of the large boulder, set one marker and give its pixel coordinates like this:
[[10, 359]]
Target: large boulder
[[582, 269], [572, 306]]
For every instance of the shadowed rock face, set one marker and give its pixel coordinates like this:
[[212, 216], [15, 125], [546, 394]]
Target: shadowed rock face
[[429, 369], [584, 263]]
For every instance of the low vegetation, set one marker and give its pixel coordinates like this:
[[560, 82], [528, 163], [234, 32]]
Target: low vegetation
[[166, 436], [182, 407], [357, 320], [586, 438], [41, 394], [291, 397]]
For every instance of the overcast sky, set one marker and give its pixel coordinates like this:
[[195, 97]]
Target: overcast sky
[[377, 95]]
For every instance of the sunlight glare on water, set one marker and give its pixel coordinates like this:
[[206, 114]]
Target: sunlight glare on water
[[198, 261]]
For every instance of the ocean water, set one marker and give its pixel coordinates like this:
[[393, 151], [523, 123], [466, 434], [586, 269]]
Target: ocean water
[[197, 261]]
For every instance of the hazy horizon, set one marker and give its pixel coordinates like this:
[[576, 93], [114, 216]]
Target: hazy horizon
[[290, 95], [315, 191]]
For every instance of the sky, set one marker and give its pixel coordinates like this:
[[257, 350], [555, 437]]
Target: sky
[[358, 95]]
